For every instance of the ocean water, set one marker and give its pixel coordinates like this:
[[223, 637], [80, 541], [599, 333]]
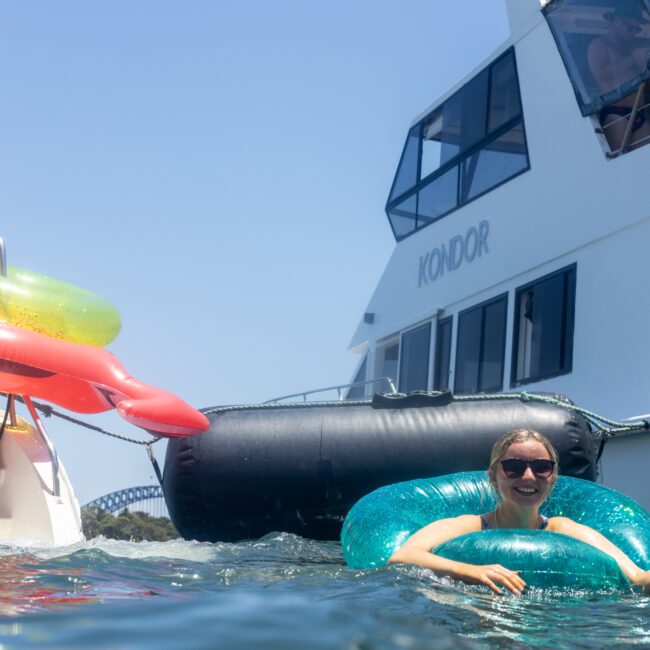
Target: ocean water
[[285, 592]]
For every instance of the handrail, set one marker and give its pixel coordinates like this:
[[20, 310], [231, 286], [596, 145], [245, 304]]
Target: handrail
[[54, 457], [630, 124], [338, 389], [626, 145]]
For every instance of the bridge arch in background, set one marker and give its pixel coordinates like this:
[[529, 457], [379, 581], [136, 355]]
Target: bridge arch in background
[[149, 496]]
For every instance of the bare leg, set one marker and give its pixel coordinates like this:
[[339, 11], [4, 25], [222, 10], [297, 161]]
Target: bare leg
[[614, 127], [640, 134]]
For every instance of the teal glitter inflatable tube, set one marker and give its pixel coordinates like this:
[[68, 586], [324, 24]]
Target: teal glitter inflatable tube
[[383, 520]]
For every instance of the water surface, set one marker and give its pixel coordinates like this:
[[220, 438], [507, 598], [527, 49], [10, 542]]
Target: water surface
[[281, 591]]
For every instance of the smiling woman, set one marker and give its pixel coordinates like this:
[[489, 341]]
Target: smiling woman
[[522, 473]]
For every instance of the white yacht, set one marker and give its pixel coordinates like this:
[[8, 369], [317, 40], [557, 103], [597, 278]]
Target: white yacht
[[522, 223]]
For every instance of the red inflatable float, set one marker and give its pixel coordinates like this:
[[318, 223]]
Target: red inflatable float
[[87, 379]]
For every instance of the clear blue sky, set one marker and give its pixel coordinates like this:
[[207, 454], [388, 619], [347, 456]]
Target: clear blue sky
[[218, 170]]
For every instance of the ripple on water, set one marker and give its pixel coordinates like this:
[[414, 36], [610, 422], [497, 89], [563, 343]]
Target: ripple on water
[[280, 591]]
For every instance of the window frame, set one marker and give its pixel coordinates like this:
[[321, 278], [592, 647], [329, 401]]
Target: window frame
[[386, 344], [603, 99], [401, 359], [457, 160], [443, 322], [568, 319]]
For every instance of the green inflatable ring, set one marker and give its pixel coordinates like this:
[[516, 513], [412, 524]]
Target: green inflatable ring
[[48, 306]]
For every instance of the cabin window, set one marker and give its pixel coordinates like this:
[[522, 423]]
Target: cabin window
[[443, 354], [605, 46], [359, 392], [480, 347], [407, 172], [504, 93], [469, 145], [431, 146], [404, 217], [543, 332], [414, 367], [502, 158], [387, 361]]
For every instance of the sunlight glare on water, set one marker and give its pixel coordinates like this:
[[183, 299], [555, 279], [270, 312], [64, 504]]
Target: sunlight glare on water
[[281, 591]]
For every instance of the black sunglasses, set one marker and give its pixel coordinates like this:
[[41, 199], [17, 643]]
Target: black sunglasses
[[516, 467], [633, 29]]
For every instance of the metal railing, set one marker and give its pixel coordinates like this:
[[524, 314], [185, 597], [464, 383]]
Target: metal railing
[[628, 143], [340, 389]]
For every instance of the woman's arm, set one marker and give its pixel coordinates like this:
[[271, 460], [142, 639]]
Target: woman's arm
[[584, 533], [417, 550]]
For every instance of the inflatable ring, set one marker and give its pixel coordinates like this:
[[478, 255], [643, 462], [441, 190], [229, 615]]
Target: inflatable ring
[[87, 379], [58, 309], [382, 521]]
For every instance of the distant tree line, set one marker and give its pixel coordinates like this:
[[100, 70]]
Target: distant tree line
[[130, 526]]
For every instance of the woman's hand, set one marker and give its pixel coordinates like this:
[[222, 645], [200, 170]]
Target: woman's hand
[[492, 575], [417, 550]]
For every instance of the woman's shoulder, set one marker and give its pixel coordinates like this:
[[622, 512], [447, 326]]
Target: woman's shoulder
[[452, 526], [561, 524], [472, 521], [466, 524]]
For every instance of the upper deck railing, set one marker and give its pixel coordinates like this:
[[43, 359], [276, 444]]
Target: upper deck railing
[[627, 125], [340, 389]]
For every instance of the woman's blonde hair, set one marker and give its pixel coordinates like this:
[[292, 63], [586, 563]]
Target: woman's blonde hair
[[521, 435]]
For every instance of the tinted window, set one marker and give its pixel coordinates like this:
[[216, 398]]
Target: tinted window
[[414, 368], [480, 347], [464, 117], [443, 354], [407, 172], [438, 197], [495, 163], [543, 336], [403, 217], [494, 332], [468, 351], [389, 365], [602, 51], [431, 144], [504, 93], [477, 136]]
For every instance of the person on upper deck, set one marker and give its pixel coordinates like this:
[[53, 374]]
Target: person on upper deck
[[523, 470], [614, 58]]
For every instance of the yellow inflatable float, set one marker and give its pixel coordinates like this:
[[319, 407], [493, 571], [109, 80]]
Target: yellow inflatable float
[[64, 311]]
